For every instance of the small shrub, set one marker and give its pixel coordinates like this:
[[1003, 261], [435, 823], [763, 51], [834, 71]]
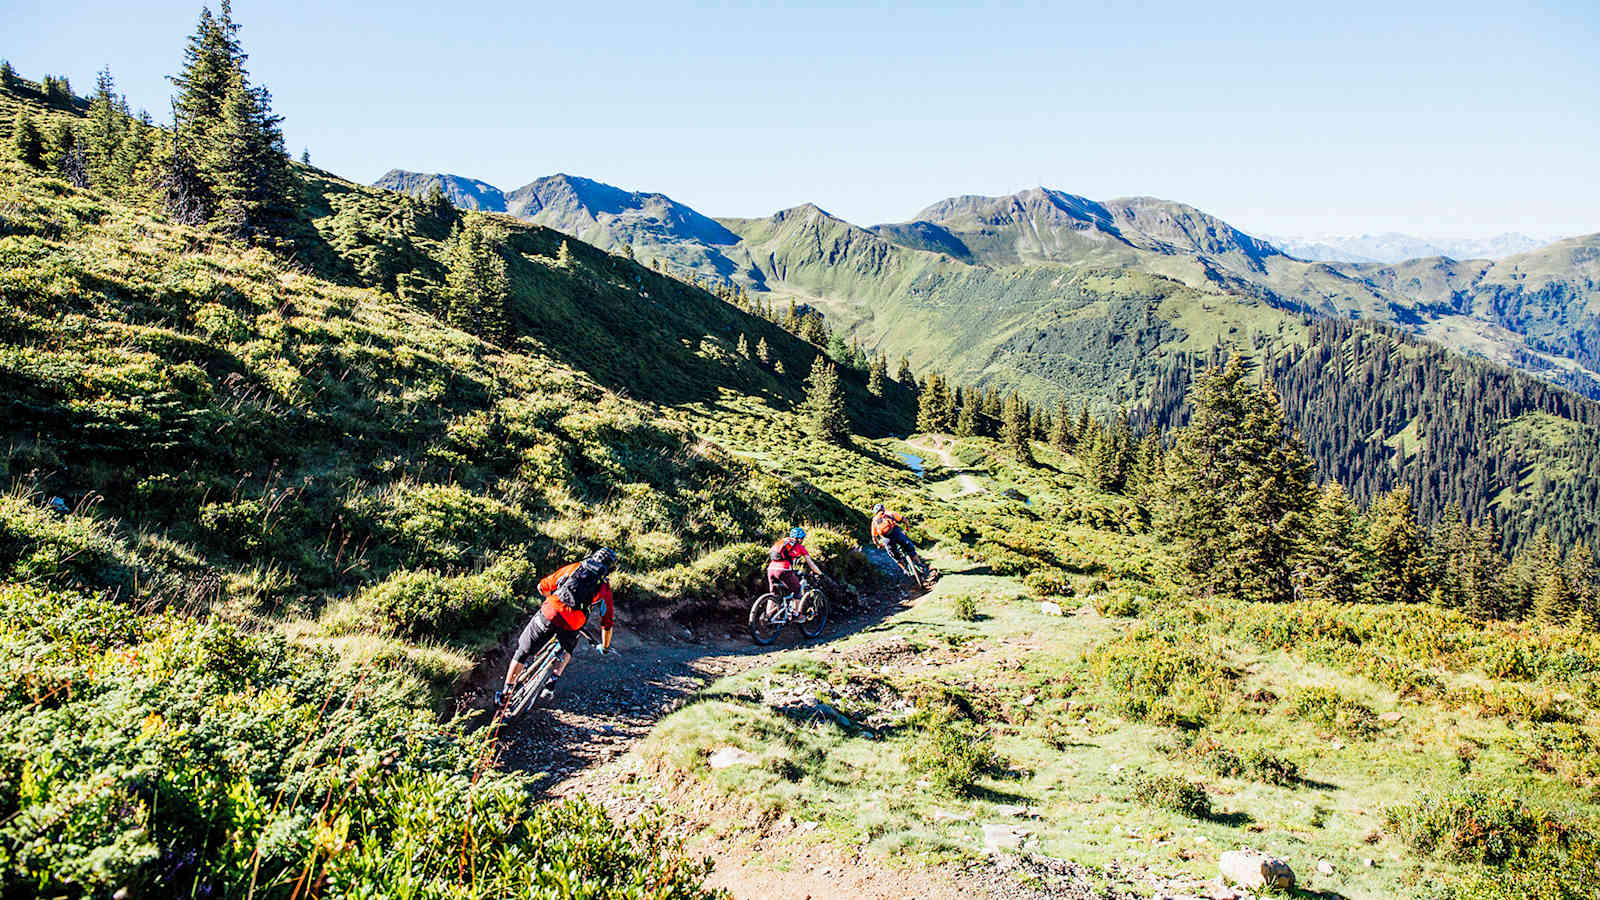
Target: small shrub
[[1256, 765], [952, 751], [1044, 583], [1173, 793], [423, 603], [965, 607], [1116, 606], [1336, 712], [1469, 825], [1161, 676]]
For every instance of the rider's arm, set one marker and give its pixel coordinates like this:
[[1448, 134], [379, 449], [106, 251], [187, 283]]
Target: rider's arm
[[608, 619]]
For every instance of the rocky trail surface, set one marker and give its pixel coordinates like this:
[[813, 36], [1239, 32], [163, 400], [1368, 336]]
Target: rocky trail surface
[[578, 747]]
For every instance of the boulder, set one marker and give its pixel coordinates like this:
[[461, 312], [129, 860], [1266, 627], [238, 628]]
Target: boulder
[[1050, 608], [1325, 868], [998, 837], [727, 757], [1253, 869]]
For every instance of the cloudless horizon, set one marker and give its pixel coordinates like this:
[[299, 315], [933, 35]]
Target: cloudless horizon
[[1439, 120]]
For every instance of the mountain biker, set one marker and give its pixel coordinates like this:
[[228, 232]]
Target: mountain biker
[[781, 560], [888, 532], [571, 593]]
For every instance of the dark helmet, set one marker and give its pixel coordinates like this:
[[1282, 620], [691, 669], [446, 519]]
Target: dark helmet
[[877, 508], [605, 558]]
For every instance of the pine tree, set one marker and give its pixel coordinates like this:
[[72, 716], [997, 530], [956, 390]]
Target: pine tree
[[1016, 433], [1061, 436], [212, 61], [1395, 548], [8, 75], [875, 381], [824, 406], [245, 160], [477, 287], [1583, 577], [904, 375], [1529, 572], [107, 125], [930, 406], [627, 253], [1086, 422], [564, 256], [305, 156], [967, 416], [26, 142], [1333, 566], [743, 346], [814, 329], [1145, 475], [1237, 491], [839, 351], [763, 352], [436, 203]]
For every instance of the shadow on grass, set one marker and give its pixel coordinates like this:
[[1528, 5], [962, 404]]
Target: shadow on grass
[[1234, 819]]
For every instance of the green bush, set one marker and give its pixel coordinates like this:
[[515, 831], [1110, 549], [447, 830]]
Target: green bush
[[1159, 675], [1046, 583], [1257, 765], [211, 761], [951, 750], [1173, 793], [425, 604], [1116, 605], [1470, 825], [75, 550], [965, 607], [1336, 712]]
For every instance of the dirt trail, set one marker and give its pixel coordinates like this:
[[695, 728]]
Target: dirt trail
[[940, 446]]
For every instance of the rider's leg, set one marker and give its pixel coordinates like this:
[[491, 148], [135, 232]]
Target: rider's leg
[[533, 635], [904, 541]]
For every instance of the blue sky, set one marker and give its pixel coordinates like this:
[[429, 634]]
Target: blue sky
[[1443, 119]]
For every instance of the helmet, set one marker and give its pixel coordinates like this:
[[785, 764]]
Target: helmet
[[878, 508], [605, 557], [797, 533]]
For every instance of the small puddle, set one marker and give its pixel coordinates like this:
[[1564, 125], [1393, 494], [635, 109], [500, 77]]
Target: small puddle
[[912, 460]]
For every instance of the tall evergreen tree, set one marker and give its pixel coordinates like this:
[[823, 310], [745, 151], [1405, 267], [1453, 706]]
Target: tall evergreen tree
[[1016, 432], [564, 256], [1584, 578], [824, 406], [1395, 548], [763, 352], [967, 415], [1236, 491], [931, 406], [743, 347], [245, 160], [106, 127], [1061, 434], [904, 375], [8, 75], [27, 142], [477, 287], [838, 350], [1333, 566], [875, 381], [212, 61]]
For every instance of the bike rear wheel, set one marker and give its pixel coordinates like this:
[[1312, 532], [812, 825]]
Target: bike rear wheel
[[813, 613], [762, 629]]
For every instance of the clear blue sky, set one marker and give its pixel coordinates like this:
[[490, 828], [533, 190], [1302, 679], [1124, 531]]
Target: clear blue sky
[[1444, 119]]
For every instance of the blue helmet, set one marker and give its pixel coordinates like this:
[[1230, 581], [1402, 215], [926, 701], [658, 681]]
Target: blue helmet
[[797, 533]]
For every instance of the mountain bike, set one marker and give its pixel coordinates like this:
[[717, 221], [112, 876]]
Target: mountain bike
[[529, 691], [917, 570], [808, 610]]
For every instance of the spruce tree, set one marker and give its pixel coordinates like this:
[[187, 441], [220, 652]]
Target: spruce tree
[[875, 382], [1236, 490], [1333, 566], [26, 141], [1016, 433], [904, 375], [477, 287], [1061, 435], [1583, 577], [824, 406], [212, 61], [305, 156], [245, 161], [930, 409], [743, 347], [1395, 548], [564, 256], [627, 254], [107, 125], [8, 75], [763, 352], [838, 350]]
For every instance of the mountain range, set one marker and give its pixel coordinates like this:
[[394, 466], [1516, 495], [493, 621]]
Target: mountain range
[[1392, 247], [971, 283]]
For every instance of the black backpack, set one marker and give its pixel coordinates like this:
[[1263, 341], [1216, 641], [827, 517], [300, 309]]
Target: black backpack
[[578, 589]]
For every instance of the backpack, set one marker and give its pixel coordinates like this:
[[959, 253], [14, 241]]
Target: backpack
[[577, 590], [780, 551]]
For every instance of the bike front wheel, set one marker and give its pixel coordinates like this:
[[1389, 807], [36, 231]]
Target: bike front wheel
[[813, 614], [527, 691], [762, 629]]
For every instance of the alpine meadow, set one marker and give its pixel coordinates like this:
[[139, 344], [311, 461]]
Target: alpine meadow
[[1248, 567]]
